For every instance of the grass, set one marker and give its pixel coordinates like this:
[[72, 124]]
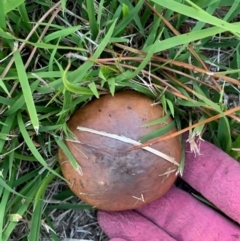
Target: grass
[[57, 56]]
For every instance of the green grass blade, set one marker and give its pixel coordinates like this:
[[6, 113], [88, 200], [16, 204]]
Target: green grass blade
[[5, 194], [182, 162], [27, 93], [43, 187], [70, 206], [112, 85], [224, 134], [158, 132], [31, 145], [36, 222], [3, 204], [78, 75], [157, 121], [186, 38], [197, 13], [92, 19], [6, 35], [20, 102], [9, 5], [73, 87], [61, 33], [146, 60], [4, 87], [100, 12], [69, 155], [122, 25], [24, 16], [23, 179], [170, 106], [6, 129], [20, 211], [93, 88], [2, 15], [63, 4], [235, 153]]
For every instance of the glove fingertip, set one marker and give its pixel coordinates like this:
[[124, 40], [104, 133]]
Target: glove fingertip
[[215, 175], [130, 225]]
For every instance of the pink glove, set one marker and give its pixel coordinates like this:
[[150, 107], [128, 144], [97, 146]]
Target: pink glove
[[178, 215]]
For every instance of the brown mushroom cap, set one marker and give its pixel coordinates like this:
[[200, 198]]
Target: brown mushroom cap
[[113, 178]]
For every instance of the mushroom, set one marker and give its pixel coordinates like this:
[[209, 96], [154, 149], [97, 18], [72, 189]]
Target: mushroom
[[113, 177]]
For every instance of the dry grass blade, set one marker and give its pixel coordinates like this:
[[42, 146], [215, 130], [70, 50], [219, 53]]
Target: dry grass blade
[[176, 63], [192, 71], [169, 25], [164, 138], [57, 5], [130, 141]]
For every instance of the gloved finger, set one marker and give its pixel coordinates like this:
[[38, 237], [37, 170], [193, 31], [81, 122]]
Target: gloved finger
[[130, 226], [185, 218], [216, 175]]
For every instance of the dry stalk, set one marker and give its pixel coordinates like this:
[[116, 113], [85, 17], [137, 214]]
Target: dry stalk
[[164, 138], [58, 6], [130, 141]]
